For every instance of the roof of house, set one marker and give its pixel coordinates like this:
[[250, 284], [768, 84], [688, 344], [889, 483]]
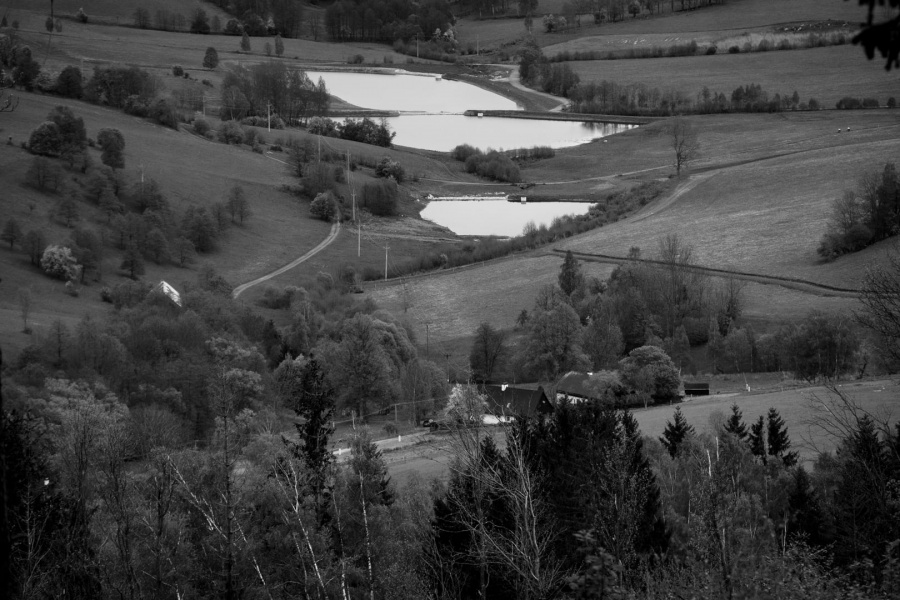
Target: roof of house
[[575, 384], [168, 291], [514, 400]]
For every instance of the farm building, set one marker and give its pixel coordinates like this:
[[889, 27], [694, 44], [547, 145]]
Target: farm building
[[511, 400]]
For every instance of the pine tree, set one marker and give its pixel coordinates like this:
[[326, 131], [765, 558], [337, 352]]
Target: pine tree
[[570, 275], [779, 442], [12, 233], [758, 439], [676, 432], [245, 42], [805, 509], [735, 423]]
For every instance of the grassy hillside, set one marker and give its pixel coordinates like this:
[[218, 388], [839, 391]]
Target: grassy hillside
[[826, 74]]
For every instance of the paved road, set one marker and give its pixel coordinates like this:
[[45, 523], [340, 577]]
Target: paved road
[[335, 229]]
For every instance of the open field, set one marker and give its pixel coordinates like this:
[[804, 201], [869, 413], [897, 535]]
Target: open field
[[799, 407], [826, 74], [733, 16]]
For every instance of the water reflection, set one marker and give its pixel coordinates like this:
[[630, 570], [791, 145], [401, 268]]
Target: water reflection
[[410, 93], [497, 217]]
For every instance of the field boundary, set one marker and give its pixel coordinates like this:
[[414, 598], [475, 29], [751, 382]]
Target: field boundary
[[803, 285]]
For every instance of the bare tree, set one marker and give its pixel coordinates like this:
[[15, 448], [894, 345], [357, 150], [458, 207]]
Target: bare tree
[[881, 304], [684, 140]]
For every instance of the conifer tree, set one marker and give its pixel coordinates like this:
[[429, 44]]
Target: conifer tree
[[676, 432], [779, 442], [806, 516], [570, 276], [245, 42], [758, 439], [735, 423]]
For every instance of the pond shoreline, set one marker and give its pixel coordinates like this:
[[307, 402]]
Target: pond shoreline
[[562, 116]]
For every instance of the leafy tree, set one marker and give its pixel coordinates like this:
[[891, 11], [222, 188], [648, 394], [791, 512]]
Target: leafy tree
[[735, 424], [649, 370], [141, 17], [279, 45], [237, 204], [778, 441], [487, 350], [758, 439], [46, 140], [553, 343], [12, 233], [570, 276], [821, 345], [133, 261], [157, 246], [26, 69], [44, 174], [183, 251], [34, 244], [57, 261], [323, 206], [73, 136], [112, 144], [245, 42], [211, 58], [69, 83], [676, 432]]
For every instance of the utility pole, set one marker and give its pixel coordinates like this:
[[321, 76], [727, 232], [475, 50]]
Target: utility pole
[[447, 356], [426, 340], [352, 193], [269, 115], [358, 238], [385, 260]]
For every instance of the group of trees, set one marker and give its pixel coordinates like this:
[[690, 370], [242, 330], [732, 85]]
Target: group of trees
[[864, 216], [271, 88], [363, 130], [376, 20]]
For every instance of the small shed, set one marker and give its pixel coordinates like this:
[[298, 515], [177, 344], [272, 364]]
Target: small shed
[[168, 291], [511, 400], [696, 388]]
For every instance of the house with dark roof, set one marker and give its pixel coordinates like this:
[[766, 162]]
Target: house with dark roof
[[511, 400]]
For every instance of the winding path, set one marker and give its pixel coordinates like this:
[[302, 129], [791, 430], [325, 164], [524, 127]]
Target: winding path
[[335, 229]]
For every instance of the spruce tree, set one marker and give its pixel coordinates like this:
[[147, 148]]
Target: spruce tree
[[735, 423], [675, 433], [570, 275], [779, 442], [758, 439], [806, 516]]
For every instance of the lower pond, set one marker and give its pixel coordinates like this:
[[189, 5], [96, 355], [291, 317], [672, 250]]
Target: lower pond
[[497, 217]]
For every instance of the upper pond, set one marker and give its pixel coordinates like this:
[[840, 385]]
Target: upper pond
[[436, 105], [497, 217]]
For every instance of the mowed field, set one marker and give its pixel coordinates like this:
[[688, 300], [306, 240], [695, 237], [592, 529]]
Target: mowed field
[[802, 410]]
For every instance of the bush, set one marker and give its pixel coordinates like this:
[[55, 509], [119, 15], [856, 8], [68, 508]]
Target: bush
[[463, 152], [164, 114], [278, 299], [390, 168], [178, 71], [848, 103], [201, 126], [324, 206], [734, 50], [870, 103], [356, 59], [231, 133], [711, 50], [81, 16], [892, 102]]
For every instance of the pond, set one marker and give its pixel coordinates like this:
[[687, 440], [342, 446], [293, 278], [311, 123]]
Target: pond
[[435, 107], [497, 217]]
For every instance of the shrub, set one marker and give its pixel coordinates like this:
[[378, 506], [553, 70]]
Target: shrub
[[231, 133], [81, 16], [129, 293], [324, 206], [733, 50], [813, 104], [177, 71], [463, 152], [892, 102], [201, 126], [164, 114], [356, 59], [390, 168], [711, 50], [870, 103], [847, 103], [57, 261], [278, 299]]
